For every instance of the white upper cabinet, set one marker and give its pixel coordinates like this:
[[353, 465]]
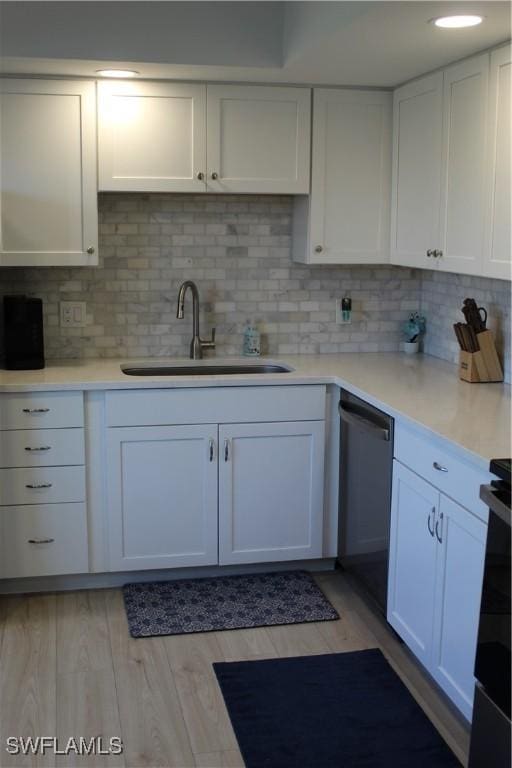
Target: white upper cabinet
[[416, 185], [48, 192], [168, 137], [498, 248], [450, 207], [258, 139], [152, 136], [462, 211], [346, 218]]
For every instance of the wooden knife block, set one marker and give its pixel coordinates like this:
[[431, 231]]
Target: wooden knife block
[[483, 365]]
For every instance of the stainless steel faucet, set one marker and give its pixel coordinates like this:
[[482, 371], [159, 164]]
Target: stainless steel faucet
[[197, 344]]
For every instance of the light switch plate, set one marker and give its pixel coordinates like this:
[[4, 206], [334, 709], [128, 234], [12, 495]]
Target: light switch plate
[[72, 314]]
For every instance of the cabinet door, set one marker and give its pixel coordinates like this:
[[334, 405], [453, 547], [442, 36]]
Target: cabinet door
[[412, 561], [460, 567], [152, 136], [462, 213], [270, 491], [498, 248], [351, 176], [162, 496], [416, 185], [48, 200], [258, 139]]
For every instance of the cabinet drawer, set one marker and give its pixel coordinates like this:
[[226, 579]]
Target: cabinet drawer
[[43, 540], [42, 447], [40, 485], [38, 410], [442, 468], [214, 405]]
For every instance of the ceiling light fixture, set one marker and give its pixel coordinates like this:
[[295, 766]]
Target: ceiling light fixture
[[117, 72], [457, 22]]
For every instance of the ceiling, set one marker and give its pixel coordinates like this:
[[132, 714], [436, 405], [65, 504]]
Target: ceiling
[[361, 43]]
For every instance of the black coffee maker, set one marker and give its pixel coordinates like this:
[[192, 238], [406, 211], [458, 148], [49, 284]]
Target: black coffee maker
[[23, 333]]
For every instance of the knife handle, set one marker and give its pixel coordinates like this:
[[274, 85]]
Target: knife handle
[[484, 319]]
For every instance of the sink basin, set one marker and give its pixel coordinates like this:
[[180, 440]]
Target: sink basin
[[203, 369]]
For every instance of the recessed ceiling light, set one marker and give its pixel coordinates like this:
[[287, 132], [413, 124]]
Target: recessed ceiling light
[[458, 22], [117, 72]]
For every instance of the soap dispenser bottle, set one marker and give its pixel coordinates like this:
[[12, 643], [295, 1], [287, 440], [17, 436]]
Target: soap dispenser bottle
[[251, 345]]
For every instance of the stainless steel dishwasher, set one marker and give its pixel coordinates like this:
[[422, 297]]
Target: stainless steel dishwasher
[[366, 466]]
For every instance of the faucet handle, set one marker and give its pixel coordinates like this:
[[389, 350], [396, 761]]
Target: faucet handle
[[209, 343]]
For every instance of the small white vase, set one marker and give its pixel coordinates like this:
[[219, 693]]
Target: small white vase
[[411, 347]]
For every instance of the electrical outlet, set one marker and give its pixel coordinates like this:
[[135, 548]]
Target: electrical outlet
[[72, 314], [339, 314]]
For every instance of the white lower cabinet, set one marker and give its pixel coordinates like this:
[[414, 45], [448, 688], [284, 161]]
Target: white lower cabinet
[[436, 561], [412, 561], [191, 495], [460, 565], [162, 496], [43, 540], [270, 491]]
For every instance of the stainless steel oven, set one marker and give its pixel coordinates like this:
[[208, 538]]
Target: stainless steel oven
[[490, 733]]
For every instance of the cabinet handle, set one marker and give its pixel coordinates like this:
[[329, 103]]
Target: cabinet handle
[[200, 176], [90, 250], [318, 249], [41, 541], [39, 448], [430, 253], [430, 519], [439, 536], [35, 410], [226, 450], [215, 175], [38, 485], [437, 254], [211, 448], [439, 467]]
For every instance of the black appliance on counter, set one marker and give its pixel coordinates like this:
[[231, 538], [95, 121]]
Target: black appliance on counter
[[366, 467], [23, 333], [491, 729]]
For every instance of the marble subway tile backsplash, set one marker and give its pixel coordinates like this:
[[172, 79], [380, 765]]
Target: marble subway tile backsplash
[[238, 251]]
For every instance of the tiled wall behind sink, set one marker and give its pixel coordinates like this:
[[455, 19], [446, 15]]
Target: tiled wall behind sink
[[238, 251]]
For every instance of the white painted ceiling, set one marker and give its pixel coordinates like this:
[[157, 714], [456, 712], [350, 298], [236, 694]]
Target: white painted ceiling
[[340, 43]]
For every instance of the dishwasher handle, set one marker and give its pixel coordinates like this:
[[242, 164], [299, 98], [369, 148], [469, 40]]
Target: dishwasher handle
[[355, 420]]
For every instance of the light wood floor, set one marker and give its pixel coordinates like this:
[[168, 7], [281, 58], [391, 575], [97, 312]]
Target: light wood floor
[[68, 667]]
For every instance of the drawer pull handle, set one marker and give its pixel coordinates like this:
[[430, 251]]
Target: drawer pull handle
[[41, 541], [38, 485], [39, 448], [226, 450], [439, 467], [211, 448], [36, 410]]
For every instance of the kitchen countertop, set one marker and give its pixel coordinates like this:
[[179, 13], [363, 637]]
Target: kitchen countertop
[[420, 389]]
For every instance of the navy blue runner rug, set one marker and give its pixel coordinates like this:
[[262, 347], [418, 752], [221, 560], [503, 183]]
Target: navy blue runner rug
[[342, 710]]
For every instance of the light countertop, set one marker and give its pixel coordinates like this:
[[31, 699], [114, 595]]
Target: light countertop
[[419, 389]]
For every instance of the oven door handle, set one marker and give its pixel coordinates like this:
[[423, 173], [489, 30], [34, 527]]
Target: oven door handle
[[349, 417]]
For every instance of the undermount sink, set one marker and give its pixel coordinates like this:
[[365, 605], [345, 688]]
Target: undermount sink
[[203, 369]]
